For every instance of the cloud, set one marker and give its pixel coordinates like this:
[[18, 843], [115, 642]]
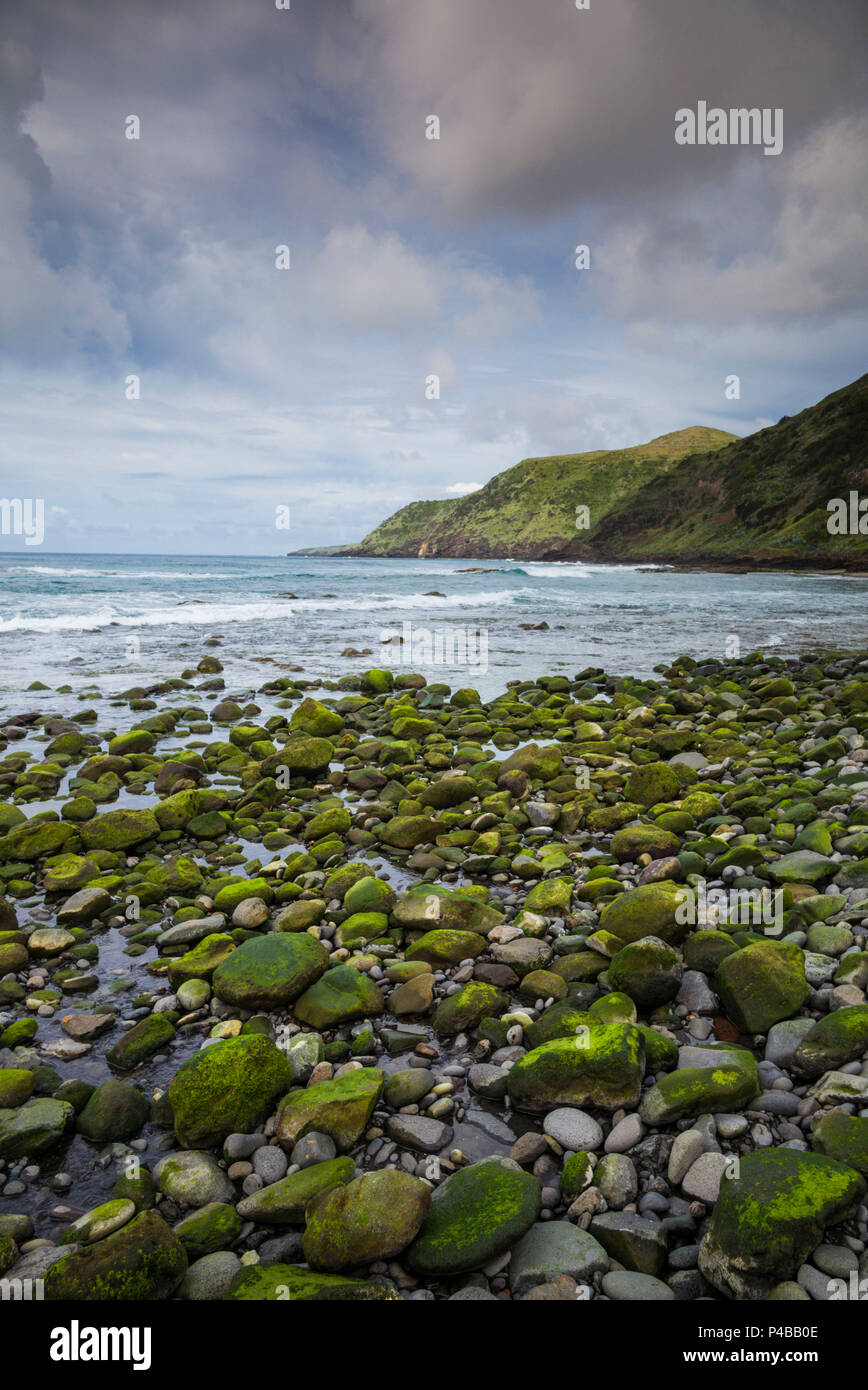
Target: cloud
[[462, 489]]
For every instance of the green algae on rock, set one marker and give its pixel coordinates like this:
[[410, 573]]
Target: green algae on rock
[[762, 984], [270, 971], [143, 1261], [374, 1217], [475, 1215], [228, 1086], [769, 1218], [602, 1065], [340, 1108]]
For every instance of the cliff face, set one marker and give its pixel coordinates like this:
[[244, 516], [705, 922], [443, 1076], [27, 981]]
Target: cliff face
[[695, 497]]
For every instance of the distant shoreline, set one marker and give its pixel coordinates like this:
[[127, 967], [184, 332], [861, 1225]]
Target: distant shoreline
[[657, 566]]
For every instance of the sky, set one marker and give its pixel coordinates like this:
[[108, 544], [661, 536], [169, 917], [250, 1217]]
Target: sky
[[169, 385]]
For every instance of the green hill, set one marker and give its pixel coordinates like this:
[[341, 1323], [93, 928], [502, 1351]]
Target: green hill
[[695, 497], [760, 500], [530, 510]]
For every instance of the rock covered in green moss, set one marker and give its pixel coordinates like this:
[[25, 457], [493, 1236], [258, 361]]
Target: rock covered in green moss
[[602, 1065], [281, 1282], [144, 1261], [284, 1203], [648, 970], [664, 910], [269, 971], [113, 1112], [34, 1127], [338, 996], [463, 1010], [833, 1041], [119, 830], [844, 1137], [695, 1090], [475, 1215], [374, 1217], [339, 1108], [214, 1226], [227, 1087], [769, 1218], [762, 984], [445, 947], [142, 1040]]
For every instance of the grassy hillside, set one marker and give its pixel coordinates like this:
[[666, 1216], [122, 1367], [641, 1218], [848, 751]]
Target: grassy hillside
[[760, 500], [530, 509], [695, 497]]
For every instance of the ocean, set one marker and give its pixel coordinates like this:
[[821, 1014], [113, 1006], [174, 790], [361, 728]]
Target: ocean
[[119, 621]]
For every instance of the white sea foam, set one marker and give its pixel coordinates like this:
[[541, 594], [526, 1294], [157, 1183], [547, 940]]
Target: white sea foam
[[267, 610]]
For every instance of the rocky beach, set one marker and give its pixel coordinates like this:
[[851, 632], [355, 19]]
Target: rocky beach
[[371, 988]]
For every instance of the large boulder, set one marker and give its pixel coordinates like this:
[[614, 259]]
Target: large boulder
[[372, 1218], [119, 829], [663, 909], [602, 1065], [339, 996], [227, 1087], [475, 1215], [762, 984], [268, 972], [769, 1218], [143, 1261]]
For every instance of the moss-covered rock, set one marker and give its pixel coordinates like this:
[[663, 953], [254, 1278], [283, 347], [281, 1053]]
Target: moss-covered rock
[[200, 963], [633, 840], [602, 1064], [463, 1010], [652, 783], [372, 1218], [284, 1203], [316, 719], [115, 1111], [339, 996], [143, 1039], [475, 1215], [662, 909], [213, 1227], [269, 971], [444, 947], [769, 1218], [34, 1127], [119, 830], [278, 1282], [340, 1108], [406, 832], [229, 1086], [695, 1090], [762, 984], [361, 927], [16, 1085], [843, 1137], [833, 1041], [648, 970], [143, 1261]]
